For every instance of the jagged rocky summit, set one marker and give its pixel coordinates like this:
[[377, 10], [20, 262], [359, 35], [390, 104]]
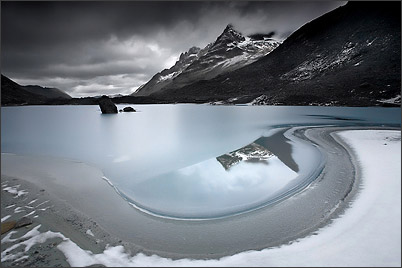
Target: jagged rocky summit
[[230, 51]]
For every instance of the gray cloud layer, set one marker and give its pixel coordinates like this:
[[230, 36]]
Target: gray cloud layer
[[91, 48]]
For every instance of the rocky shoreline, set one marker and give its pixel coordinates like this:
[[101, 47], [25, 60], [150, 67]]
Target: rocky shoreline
[[50, 214]]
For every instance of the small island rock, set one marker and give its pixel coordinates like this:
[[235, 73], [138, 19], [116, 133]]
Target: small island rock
[[128, 109], [107, 106]]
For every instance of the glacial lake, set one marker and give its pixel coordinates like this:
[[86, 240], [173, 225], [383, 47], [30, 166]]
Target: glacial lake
[[182, 161]]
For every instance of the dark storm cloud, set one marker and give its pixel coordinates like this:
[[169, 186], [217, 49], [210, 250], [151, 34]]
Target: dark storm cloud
[[82, 46], [43, 22]]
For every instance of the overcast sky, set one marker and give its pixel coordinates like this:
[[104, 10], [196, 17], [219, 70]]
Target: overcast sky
[[94, 48]]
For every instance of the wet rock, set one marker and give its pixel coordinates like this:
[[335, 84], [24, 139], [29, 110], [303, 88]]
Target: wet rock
[[107, 106], [23, 222], [7, 226], [128, 109]]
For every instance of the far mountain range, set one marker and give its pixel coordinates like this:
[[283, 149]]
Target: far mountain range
[[350, 56], [15, 94]]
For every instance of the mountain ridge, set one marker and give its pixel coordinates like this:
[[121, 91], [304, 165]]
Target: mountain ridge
[[48, 92], [349, 56], [231, 50], [13, 94]]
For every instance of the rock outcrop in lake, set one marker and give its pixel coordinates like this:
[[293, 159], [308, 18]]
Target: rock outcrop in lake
[[129, 109], [107, 106]]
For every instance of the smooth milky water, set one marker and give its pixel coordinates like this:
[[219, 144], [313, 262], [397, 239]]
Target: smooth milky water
[[163, 157]]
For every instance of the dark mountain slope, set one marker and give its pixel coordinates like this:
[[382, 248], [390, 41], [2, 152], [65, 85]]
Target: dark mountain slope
[[47, 92], [350, 56], [15, 94], [165, 77]]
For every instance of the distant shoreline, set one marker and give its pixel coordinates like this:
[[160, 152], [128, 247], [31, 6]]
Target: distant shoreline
[[244, 100]]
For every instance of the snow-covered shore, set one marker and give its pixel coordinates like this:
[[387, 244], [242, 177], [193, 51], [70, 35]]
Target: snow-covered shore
[[368, 234]]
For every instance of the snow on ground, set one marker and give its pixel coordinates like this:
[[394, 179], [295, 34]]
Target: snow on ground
[[89, 232], [5, 218], [44, 202], [27, 241], [33, 201], [368, 234], [14, 190], [394, 100]]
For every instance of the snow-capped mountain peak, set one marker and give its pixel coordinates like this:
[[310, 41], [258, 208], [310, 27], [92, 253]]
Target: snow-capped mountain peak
[[230, 35], [230, 51]]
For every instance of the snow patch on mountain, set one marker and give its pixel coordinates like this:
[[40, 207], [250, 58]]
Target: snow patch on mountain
[[319, 64], [395, 100], [261, 100], [168, 76]]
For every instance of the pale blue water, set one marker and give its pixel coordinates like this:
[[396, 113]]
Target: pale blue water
[[163, 156]]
